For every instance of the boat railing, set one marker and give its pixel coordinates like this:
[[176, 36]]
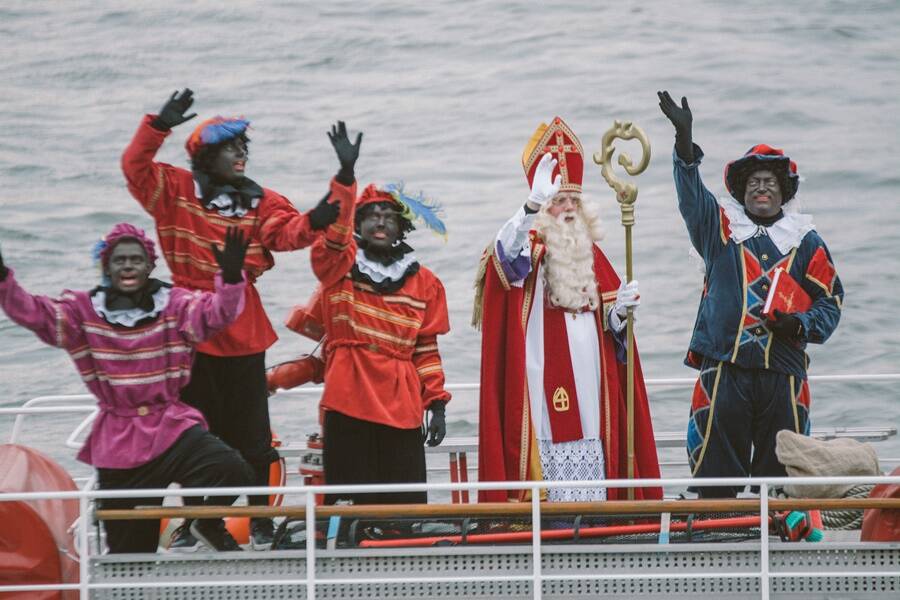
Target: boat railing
[[86, 497]]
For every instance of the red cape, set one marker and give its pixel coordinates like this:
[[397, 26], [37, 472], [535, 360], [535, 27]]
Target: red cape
[[506, 443]]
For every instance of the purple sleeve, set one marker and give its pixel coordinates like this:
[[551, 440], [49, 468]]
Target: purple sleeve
[[202, 314], [515, 269], [53, 321]]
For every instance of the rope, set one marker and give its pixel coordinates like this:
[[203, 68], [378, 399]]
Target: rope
[[845, 520]]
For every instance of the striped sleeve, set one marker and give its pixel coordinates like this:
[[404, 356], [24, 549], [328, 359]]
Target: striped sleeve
[[334, 253], [202, 314], [147, 180], [426, 357], [54, 321]]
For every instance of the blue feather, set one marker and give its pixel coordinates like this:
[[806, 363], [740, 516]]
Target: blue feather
[[419, 207], [97, 249]]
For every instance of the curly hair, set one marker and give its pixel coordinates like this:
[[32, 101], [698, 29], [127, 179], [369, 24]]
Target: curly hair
[[208, 153]]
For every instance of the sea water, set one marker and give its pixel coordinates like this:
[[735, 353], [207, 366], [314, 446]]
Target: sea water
[[448, 93]]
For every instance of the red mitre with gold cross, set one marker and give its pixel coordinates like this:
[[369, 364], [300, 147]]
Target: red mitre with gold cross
[[558, 139]]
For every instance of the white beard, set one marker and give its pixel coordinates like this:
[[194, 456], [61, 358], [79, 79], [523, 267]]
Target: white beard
[[569, 260]]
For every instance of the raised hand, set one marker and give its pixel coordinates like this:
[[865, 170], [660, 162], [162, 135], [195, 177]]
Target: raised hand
[[683, 120], [231, 259], [172, 112], [543, 186], [437, 425], [324, 214], [346, 151]]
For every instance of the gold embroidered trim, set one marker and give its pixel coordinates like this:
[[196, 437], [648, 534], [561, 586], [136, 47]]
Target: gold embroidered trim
[[794, 405], [161, 182], [709, 417], [737, 339]]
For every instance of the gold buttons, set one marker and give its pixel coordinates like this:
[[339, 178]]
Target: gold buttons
[[143, 411], [765, 257]]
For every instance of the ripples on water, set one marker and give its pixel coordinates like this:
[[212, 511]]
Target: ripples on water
[[447, 94]]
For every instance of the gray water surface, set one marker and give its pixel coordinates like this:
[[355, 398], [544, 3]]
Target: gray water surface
[[447, 94]]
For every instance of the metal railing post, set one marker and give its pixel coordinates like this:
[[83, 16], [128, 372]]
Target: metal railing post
[[84, 558], [764, 541], [537, 585], [310, 546]]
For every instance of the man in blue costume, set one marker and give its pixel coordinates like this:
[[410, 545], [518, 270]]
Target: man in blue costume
[[752, 380]]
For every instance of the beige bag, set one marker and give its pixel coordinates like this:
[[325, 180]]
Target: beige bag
[[804, 456]]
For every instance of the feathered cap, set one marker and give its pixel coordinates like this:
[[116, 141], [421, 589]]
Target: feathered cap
[[559, 140], [122, 231], [214, 131], [760, 157], [412, 208]]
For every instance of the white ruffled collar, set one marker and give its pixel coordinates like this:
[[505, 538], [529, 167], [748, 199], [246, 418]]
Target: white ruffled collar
[[786, 233], [379, 272], [225, 205], [127, 317]]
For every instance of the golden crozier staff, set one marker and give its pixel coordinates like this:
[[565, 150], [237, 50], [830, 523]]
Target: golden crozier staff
[[626, 194]]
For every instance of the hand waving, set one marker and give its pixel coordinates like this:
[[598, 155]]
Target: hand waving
[[346, 151], [543, 186], [172, 112], [324, 214], [682, 118], [231, 259]]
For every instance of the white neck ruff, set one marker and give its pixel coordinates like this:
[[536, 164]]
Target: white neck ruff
[[379, 272], [786, 233]]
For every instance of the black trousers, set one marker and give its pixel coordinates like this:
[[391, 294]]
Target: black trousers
[[196, 459], [231, 393], [360, 452], [735, 415]]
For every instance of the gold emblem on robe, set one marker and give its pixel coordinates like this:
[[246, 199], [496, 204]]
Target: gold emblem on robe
[[560, 399]]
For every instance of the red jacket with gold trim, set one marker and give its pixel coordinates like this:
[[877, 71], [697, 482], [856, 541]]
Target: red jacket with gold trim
[[186, 230], [382, 363]]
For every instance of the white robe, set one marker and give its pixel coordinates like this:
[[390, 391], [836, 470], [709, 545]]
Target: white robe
[[568, 461]]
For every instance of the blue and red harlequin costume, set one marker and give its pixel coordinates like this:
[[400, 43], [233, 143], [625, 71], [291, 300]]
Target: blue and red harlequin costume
[[752, 384]]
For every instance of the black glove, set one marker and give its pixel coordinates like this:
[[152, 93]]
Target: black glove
[[3, 270], [231, 259], [172, 112], [785, 325], [324, 214], [682, 119], [347, 153], [437, 424]]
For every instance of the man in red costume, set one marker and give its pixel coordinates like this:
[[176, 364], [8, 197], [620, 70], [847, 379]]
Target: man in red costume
[[192, 210], [552, 403], [382, 313]]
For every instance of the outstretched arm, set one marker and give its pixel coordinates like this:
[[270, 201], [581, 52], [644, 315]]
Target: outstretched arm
[[53, 321], [286, 229], [698, 206], [333, 255], [512, 248], [147, 179]]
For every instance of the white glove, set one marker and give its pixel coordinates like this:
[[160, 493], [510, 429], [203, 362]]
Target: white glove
[[542, 187], [628, 296]]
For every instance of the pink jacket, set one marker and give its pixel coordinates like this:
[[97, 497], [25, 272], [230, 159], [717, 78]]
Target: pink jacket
[[136, 373]]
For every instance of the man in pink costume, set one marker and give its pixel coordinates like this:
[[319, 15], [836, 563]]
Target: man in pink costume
[[132, 339]]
